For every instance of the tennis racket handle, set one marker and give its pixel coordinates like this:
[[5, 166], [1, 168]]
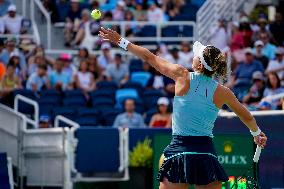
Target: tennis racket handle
[[257, 154]]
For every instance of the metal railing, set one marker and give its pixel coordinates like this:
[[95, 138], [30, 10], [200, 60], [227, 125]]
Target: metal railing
[[46, 15], [65, 120], [212, 10], [19, 98]]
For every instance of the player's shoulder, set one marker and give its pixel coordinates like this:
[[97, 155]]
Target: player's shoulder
[[223, 90]]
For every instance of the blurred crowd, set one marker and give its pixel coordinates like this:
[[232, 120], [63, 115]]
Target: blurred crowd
[[79, 27], [258, 64]]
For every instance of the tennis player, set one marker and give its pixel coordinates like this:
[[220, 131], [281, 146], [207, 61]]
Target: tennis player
[[190, 158]]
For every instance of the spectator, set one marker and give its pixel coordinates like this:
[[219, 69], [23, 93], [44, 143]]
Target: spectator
[[129, 118], [246, 30], [268, 49], [75, 11], [11, 48], [273, 88], [186, 54], [242, 76], [139, 13], [12, 22], [277, 65], [117, 72], [20, 69], [44, 121], [34, 62], [219, 36], [10, 81], [84, 79], [130, 29], [258, 46], [72, 22], [155, 14], [68, 66], [175, 58], [59, 79], [118, 12], [4, 4], [277, 29], [172, 7], [157, 81], [163, 117], [237, 39], [83, 54], [38, 80], [84, 36], [262, 28], [255, 93], [94, 68], [106, 57]]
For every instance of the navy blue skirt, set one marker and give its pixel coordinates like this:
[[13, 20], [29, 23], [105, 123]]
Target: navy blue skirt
[[192, 160]]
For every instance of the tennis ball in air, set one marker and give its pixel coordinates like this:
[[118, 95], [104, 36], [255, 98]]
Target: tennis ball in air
[[96, 14]]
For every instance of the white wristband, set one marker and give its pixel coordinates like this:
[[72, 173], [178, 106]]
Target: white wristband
[[256, 133], [123, 43]]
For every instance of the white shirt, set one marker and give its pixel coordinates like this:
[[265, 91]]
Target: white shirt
[[187, 57], [275, 64], [181, 61], [219, 38], [156, 15], [84, 79], [13, 25]]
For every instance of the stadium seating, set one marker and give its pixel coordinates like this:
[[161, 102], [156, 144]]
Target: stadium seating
[[133, 85], [136, 65], [74, 102], [107, 85], [150, 98], [68, 112], [122, 94], [88, 117], [24, 107], [109, 93], [108, 116], [140, 77]]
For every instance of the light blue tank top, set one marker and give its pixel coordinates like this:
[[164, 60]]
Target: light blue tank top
[[194, 113]]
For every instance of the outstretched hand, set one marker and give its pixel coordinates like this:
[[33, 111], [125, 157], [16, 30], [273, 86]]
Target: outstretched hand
[[109, 35], [260, 140]]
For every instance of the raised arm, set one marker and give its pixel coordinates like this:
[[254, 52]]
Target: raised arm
[[174, 71], [244, 115]]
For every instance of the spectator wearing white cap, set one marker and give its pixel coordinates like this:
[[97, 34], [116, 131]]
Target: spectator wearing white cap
[[12, 21], [163, 118], [118, 12], [255, 93], [106, 57], [258, 46], [277, 65]]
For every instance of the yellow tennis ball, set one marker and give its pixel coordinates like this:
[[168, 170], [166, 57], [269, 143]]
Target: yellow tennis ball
[[96, 14]]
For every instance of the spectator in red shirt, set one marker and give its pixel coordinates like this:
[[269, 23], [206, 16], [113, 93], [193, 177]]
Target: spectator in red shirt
[[163, 117]]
